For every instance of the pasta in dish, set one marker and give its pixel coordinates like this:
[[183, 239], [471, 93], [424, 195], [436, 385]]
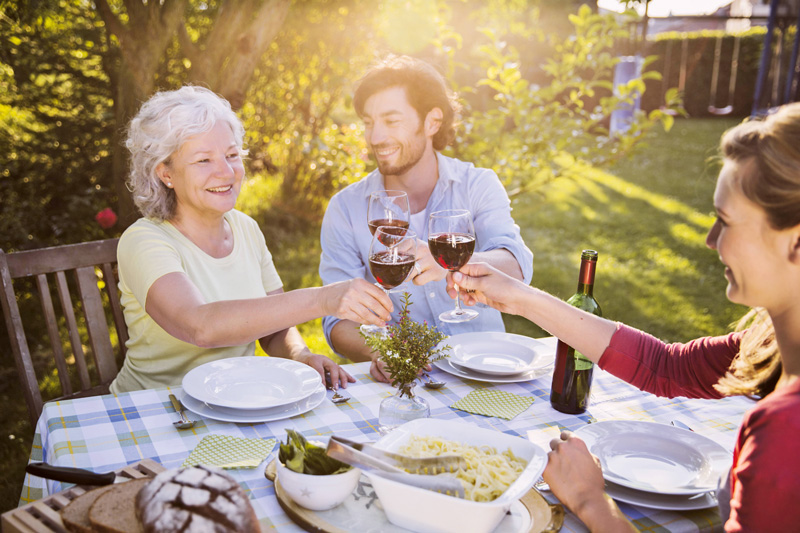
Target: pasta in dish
[[488, 473]]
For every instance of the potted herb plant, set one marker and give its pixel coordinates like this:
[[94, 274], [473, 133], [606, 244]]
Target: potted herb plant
[[406, 348]]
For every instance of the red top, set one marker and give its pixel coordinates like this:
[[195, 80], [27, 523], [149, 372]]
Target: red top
[[765, 476]]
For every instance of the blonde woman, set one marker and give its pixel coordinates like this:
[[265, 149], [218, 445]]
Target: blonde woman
[[757, 237], [197, 280]]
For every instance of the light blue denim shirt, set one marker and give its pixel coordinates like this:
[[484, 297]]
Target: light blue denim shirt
[[345, 239]]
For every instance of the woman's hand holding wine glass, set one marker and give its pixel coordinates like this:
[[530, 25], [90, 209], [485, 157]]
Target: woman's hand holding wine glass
[[451, 239]]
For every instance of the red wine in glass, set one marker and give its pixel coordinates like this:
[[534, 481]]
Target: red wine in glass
[[451, 240], [388, 208], [451, 250], [390, 270], [396, 226], [391, 209], [391, 258]]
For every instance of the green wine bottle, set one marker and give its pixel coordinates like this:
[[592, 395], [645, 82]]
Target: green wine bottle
[[572, 375]]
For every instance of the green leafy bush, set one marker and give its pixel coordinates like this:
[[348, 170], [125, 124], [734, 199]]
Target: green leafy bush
[[533, 133]]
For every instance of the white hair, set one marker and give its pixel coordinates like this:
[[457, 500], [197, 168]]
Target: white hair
[[162, 125]]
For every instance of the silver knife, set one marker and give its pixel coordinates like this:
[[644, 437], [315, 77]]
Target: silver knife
[[68, 474]]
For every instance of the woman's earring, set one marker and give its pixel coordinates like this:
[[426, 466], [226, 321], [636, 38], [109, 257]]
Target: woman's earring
[[169, 184]]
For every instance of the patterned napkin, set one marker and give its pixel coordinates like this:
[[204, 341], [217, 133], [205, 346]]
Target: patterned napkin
[[491, 402], [224, 451]]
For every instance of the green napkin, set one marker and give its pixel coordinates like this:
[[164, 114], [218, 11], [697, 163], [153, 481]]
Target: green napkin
[[491, 402], [224, 451]]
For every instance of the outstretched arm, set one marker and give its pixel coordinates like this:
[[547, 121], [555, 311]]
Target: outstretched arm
[[587, 333], [289, 344], [177, 305]]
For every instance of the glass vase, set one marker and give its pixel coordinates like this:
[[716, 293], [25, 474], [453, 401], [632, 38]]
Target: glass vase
[[404, 405]]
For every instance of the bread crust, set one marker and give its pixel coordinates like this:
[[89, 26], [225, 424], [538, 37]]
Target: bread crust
[[200, 498]]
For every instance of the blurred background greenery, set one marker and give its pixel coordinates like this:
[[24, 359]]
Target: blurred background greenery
[[535, 79]]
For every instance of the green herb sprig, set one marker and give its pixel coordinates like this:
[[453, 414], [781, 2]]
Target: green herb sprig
[[407, 347], [305, 458]]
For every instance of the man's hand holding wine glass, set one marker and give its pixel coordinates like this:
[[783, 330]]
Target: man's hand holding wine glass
[[426, 269]]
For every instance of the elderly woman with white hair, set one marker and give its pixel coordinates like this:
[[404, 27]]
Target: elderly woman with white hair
[[198, 283]]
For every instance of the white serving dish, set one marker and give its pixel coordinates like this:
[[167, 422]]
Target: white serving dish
[[251, 382], [430, 512]]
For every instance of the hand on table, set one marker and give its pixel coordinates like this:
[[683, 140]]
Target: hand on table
[[574, 474], [377, 370], [324, 365]]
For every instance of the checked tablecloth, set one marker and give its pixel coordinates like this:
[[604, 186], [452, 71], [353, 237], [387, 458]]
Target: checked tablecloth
[[104, 433]]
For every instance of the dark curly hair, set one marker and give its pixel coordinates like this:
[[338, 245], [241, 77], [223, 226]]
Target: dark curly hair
[[425, 87]]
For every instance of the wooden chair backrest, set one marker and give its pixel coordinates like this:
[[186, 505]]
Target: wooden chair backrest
[[89, 263]]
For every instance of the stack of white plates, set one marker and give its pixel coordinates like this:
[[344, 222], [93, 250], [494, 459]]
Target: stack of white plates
[[497, 357], [657, 465], [252, 389]]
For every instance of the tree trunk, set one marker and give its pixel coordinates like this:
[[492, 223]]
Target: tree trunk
[[143, 42], [227, 57], [224, 61]]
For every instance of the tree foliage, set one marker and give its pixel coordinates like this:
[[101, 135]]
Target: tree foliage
[[537, 99], [532, 132], [299, 129], [56, 124]]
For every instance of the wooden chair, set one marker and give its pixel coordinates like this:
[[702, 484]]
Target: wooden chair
[[89, 262]]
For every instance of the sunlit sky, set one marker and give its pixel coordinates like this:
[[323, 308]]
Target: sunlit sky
[[663, 8]]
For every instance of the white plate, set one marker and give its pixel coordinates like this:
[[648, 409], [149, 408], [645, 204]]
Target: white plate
[[493, 353], [251, 382], [545, 349], [656, 458], [248, 416], [667, 502]]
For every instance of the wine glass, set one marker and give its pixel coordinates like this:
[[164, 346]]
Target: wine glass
[[388, 208], [391, 258], [451, 239]]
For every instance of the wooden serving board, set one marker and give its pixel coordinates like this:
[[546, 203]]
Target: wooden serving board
[[355, 516], [42, 516]]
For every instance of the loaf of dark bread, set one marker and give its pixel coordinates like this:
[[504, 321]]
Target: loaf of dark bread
[[195, 499]]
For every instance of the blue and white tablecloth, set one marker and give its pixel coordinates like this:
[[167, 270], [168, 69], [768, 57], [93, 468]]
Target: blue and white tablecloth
[[105, 433]]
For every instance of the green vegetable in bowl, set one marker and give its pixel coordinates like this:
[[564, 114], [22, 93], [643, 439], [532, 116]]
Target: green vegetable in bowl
[[306, 458]]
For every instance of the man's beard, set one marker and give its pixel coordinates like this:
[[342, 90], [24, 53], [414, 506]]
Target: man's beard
[[415, 152]]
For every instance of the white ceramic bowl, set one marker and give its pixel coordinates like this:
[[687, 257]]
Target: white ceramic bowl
[[318, 493], [431, 512]]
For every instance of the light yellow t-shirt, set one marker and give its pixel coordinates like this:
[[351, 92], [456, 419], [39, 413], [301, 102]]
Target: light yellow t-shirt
[[150, 249]]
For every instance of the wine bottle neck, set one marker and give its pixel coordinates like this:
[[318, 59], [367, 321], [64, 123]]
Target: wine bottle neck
[[586, 278]]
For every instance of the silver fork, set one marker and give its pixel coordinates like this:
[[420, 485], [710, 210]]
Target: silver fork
[[338, 398]]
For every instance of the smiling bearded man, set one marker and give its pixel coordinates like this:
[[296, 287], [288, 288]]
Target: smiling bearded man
[[409, 116]]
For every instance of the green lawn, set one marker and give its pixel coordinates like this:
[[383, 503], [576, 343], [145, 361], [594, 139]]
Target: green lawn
[[647, 217]]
